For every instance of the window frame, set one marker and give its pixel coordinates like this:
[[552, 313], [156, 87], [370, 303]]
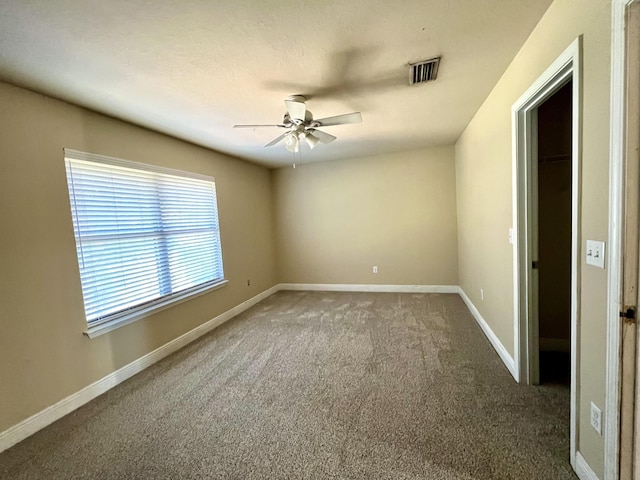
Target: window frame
[[131, 314]]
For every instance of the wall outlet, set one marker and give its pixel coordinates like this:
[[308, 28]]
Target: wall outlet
[[511, 236], [248, 283], [596, 418], [375, 269], [482, 294]]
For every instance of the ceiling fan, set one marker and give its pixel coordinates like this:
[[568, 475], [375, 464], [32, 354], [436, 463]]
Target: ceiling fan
[[300, 125]]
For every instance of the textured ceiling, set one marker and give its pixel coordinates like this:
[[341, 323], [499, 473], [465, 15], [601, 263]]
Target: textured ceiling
[[192, 69]]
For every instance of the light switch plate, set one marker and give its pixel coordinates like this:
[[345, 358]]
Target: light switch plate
[[595, 253]]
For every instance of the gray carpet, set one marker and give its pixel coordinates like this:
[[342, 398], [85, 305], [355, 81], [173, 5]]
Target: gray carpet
[[317, 385]]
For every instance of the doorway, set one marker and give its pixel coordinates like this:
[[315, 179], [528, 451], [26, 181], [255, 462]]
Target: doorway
[[565, 72], [554, 238]]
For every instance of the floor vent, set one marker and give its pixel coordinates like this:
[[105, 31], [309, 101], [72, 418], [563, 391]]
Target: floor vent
[[422, 72]]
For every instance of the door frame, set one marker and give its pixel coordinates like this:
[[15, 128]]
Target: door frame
[[568, 66], [617, 157]]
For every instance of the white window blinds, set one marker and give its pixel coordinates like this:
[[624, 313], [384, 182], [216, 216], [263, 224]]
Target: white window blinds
[[144, 235]]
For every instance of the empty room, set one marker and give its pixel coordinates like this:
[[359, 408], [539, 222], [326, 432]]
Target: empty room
[[318, 240]]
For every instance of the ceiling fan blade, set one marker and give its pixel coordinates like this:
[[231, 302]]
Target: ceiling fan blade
[[276, 140], [296, 107], [257, 126], [322, 136], [355, 117]]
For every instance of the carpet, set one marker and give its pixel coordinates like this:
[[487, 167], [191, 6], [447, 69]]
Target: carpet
[[317, 385]]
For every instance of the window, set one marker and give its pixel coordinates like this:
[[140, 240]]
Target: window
[[146, 237]]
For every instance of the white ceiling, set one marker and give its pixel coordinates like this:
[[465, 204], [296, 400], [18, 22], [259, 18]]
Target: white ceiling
[[192, 68]]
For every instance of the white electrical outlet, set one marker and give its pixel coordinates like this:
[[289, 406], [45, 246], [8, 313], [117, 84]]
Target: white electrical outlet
[[482, 294], [375, 269], [511, 236], [596, 418], [595, 253]]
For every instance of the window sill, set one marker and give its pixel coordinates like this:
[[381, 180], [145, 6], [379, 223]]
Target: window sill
[[122, 320]]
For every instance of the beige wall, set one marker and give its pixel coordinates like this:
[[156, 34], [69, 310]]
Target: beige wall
[[44, 356], [483, 173], [335, 220]]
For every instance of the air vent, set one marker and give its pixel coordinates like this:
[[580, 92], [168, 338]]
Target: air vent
[[422, 72]]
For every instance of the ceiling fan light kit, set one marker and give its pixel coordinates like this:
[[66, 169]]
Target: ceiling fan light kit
[[311, 140], [301, 125], [292, 143]]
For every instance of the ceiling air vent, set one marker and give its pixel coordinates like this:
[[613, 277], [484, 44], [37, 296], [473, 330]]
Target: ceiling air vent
[[422, 72]]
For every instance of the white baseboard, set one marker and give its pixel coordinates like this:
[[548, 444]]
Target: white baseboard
[[36, 422], [349, 287], [583, 470], [504, 355]]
